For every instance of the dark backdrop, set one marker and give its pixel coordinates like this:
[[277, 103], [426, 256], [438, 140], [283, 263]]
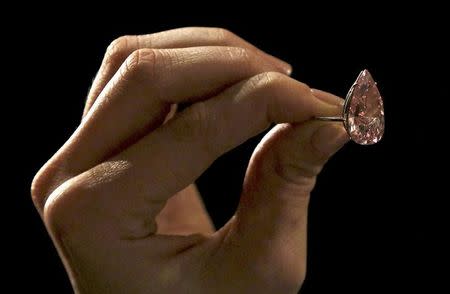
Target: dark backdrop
[[373, 217]]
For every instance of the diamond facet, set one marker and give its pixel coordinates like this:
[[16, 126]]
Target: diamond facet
[[363, 111]]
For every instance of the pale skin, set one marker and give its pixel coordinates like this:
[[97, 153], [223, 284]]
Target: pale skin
[[118, 198]]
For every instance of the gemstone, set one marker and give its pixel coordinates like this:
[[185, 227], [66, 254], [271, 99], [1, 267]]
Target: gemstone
[[363, 111]]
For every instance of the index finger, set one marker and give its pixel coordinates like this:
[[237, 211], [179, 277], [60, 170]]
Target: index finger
[[133, 186]]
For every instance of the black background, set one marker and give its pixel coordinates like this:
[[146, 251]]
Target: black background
[[373, 218]]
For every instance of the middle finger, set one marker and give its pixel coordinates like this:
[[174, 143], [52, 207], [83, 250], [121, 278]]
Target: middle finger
[[122, 47]]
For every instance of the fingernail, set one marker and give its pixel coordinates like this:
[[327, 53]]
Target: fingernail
[[281, 64], [284, 66], [327, 97], [329, 138], [288, 69]]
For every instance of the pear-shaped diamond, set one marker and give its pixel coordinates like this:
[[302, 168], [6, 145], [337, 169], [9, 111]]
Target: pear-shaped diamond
[[363, 111]]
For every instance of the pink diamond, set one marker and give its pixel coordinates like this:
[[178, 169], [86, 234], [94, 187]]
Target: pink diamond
[[363, 111]]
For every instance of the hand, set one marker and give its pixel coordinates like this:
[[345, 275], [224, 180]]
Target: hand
[[118, 199]]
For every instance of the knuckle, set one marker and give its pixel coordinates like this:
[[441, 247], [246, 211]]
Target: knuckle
[[139, 64], [296, 175], [267, 80], [215, 34], [119, 49], [193, 123], [118, 44], [264, 88], [200, 118], [205, 128], [44, 182], [318, 157], [299, 174], [296, 164], [303, 89], [270, 86], [224, 35], [37, 191], [242, 55], [196, 125], [85, 194], [273, 81], [56, 214]]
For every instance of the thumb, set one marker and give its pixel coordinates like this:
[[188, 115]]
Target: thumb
[[273, 208]]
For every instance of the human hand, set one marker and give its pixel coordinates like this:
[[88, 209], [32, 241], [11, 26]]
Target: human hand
[[118, 198]]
